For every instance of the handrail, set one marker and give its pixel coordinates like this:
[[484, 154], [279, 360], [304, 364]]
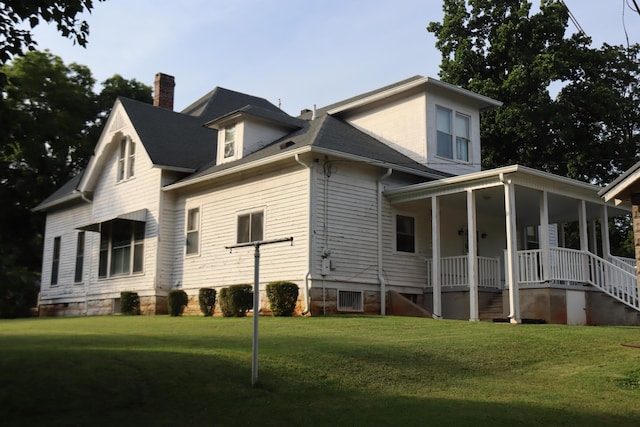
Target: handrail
[[574, 266]]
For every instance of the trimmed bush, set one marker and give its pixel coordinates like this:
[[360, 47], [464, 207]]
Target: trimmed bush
[[283, 297], [129, 303], [177, 300], [236, 300], [207, 300]]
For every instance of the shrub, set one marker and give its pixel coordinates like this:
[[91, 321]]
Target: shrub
[[129, 303], [236, 300], [207, 299], [283, 297], [177, 300]]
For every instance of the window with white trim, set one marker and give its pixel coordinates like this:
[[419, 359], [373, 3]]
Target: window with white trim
[[349, 300], [55, 261], [229, 142], [79, 257], [453, 134], [126, 159], [405, 234], [193, 231], [251, 227], [121, 248]]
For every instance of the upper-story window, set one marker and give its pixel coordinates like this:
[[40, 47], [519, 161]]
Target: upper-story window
[[126, 159], [229, 141], [454, 134]]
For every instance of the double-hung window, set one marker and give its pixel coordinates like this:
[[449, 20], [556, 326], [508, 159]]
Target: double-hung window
[[454, 134], [405, 234], [126, 159], [121, 248], [251, 227], [229, 142], [193, 231]]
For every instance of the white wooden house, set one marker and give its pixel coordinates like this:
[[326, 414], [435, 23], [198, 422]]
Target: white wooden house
[[383, 194]]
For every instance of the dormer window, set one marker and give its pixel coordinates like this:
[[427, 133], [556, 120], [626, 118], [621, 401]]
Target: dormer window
[[229, 142], [453, 134], [126, 159]]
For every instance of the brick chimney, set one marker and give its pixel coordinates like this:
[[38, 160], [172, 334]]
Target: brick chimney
[[163, 91]]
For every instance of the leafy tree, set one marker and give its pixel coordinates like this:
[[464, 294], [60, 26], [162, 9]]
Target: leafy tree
[[17, 37], [589, 131], [50, 124]]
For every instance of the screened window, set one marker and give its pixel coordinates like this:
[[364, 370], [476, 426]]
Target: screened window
[[251, 227], [229, 142], [405, 234], [193, 231], [79, 257], [453, 134], [121, 248], [55, 263]]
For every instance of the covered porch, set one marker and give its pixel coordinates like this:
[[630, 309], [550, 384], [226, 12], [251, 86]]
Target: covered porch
[[501, 232]]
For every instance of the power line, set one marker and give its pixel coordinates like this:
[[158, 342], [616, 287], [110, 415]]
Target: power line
[[573, 18]]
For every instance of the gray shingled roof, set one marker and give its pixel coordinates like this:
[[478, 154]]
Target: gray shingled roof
[[221, 101], [329, 133], [66, 192], [171, 139], [276, 117]]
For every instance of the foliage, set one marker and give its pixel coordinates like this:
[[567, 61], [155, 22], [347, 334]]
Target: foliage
[[283, 297], [236, 300], [50, 119], [356, 370], [177, 300], [129, 303], [18, 295], [207, 299], [589, 131], [19, 17]]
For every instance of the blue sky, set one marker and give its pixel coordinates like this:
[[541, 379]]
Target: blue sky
[[297, 53]]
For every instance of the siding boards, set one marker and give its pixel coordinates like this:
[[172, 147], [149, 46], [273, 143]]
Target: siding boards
[[283, 196]]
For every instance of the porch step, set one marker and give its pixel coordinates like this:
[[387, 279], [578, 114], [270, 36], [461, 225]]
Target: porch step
[[493, 310]]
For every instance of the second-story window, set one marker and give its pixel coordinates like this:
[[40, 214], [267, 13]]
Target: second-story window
[[229, 141], [126, 159], [454, 135]]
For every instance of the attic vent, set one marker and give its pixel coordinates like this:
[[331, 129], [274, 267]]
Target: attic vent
[[286, 144]]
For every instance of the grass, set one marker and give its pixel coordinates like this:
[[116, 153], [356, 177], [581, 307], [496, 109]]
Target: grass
[[333, 371]]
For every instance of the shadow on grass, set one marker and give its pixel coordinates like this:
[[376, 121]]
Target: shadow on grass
[[63, 380]]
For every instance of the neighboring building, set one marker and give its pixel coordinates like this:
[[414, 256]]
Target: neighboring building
[[383, 194]]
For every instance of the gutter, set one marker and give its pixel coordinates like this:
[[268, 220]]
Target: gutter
[[309, 240], [383, 283]]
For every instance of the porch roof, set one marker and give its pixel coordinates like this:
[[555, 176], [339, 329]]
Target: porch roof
[[562, 192]]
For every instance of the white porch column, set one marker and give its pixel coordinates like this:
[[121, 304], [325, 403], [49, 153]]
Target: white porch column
[[604, 232], [544, 235], [512, 251], [593, 241], [582, 219], [435, 258], [474, 314]]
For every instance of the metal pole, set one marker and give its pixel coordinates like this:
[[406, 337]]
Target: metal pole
[[256, 309], [256, 296]]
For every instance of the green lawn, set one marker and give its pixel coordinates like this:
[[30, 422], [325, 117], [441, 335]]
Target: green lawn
[[333, 371]]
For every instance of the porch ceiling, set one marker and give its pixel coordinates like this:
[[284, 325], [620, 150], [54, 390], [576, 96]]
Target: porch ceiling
[[563, 195]]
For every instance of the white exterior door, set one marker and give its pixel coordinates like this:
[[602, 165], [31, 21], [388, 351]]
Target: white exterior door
[[576, 308]]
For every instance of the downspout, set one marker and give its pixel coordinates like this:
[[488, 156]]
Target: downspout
[[309, 240], [86, 286], [383, 283]]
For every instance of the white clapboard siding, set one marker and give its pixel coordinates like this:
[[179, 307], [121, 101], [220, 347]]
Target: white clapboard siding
[[63, 223], [282, 195]]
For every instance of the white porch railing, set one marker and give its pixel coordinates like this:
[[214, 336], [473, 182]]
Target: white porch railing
[[454, 271], [579, 267], [628, 264]]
